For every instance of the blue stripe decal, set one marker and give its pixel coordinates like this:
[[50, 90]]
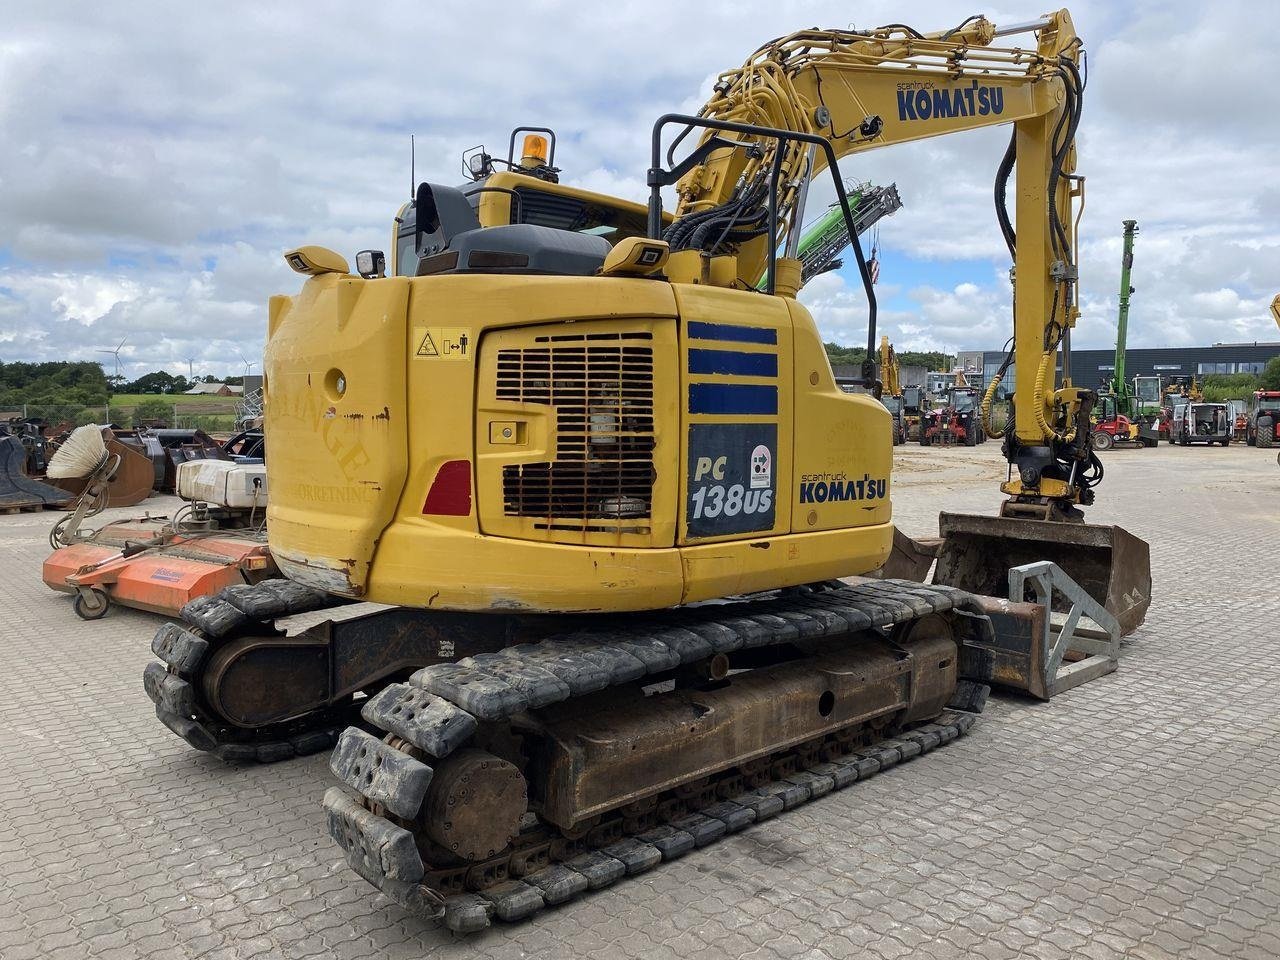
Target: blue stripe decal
[[735, 398], [733, 362], [725, 331]]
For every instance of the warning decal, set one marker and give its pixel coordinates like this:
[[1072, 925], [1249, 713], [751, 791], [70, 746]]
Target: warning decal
[[442, 343]]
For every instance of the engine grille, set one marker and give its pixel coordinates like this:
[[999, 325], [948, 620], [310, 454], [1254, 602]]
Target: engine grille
[[601, 386]]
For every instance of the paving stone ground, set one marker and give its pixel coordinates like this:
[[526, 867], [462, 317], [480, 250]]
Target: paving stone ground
[[1137, 816]]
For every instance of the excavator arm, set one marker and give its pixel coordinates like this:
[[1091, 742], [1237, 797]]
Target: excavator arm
[[1275, 309], [889, 369], [845, 92]]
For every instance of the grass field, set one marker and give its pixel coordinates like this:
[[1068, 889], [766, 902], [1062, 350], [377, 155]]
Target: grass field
[[186, 404], [208, 413]]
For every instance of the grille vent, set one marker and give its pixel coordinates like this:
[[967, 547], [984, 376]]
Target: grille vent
[[601, 386]]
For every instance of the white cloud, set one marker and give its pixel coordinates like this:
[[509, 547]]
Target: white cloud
[[160, 157]]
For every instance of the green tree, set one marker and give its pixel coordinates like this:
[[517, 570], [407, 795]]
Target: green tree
[[931, 360], [158, 381], [152, 410], [55, 383], [1270, 378], [1228, 386]]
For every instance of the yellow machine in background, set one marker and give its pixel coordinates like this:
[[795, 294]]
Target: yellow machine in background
[[889, 369], [565, 404], [891, 391]]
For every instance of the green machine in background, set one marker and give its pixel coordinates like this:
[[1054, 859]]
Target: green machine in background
[[1139, 402], [823, 240]]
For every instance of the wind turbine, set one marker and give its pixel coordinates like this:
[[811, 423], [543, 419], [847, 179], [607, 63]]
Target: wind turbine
[[248, 365], [116, 353], [191, 375]]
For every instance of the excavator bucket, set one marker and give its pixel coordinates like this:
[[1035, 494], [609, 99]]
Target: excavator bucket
[[1111, 564], [19, 491]]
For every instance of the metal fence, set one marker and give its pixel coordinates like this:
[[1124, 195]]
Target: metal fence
[[59, 416]]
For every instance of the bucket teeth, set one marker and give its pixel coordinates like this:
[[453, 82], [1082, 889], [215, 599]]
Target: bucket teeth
[[381, 772], [428, 722]]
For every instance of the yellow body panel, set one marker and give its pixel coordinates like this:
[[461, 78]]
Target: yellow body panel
[[375, 385]]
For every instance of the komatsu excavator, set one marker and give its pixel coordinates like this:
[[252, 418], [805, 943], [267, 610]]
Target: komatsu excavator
[[605, 487]]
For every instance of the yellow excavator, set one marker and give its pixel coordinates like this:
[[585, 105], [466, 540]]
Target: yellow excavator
[[891, 390], [603, 480]]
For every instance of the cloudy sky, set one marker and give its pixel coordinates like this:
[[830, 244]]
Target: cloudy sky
[[157, 158]]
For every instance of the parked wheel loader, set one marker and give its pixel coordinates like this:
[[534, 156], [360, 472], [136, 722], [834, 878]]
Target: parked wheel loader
[[606, 486]]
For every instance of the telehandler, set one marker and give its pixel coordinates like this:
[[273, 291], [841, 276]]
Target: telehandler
[[606, 486]]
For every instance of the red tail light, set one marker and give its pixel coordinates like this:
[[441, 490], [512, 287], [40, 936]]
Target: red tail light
[[450, 493]]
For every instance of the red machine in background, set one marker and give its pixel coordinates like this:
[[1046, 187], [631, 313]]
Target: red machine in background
[[959, 420]]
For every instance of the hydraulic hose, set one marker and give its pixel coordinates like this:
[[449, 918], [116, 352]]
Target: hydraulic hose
[[1003, 172], [1047, 431], [987, 423]]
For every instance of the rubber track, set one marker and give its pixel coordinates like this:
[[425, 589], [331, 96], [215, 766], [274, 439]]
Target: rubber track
[[425, 714], [236, 611]]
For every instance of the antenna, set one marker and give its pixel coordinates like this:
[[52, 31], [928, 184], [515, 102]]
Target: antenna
[[413, 168]]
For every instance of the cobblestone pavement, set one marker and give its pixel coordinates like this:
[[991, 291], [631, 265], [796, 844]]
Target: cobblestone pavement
[[1136, 816]]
